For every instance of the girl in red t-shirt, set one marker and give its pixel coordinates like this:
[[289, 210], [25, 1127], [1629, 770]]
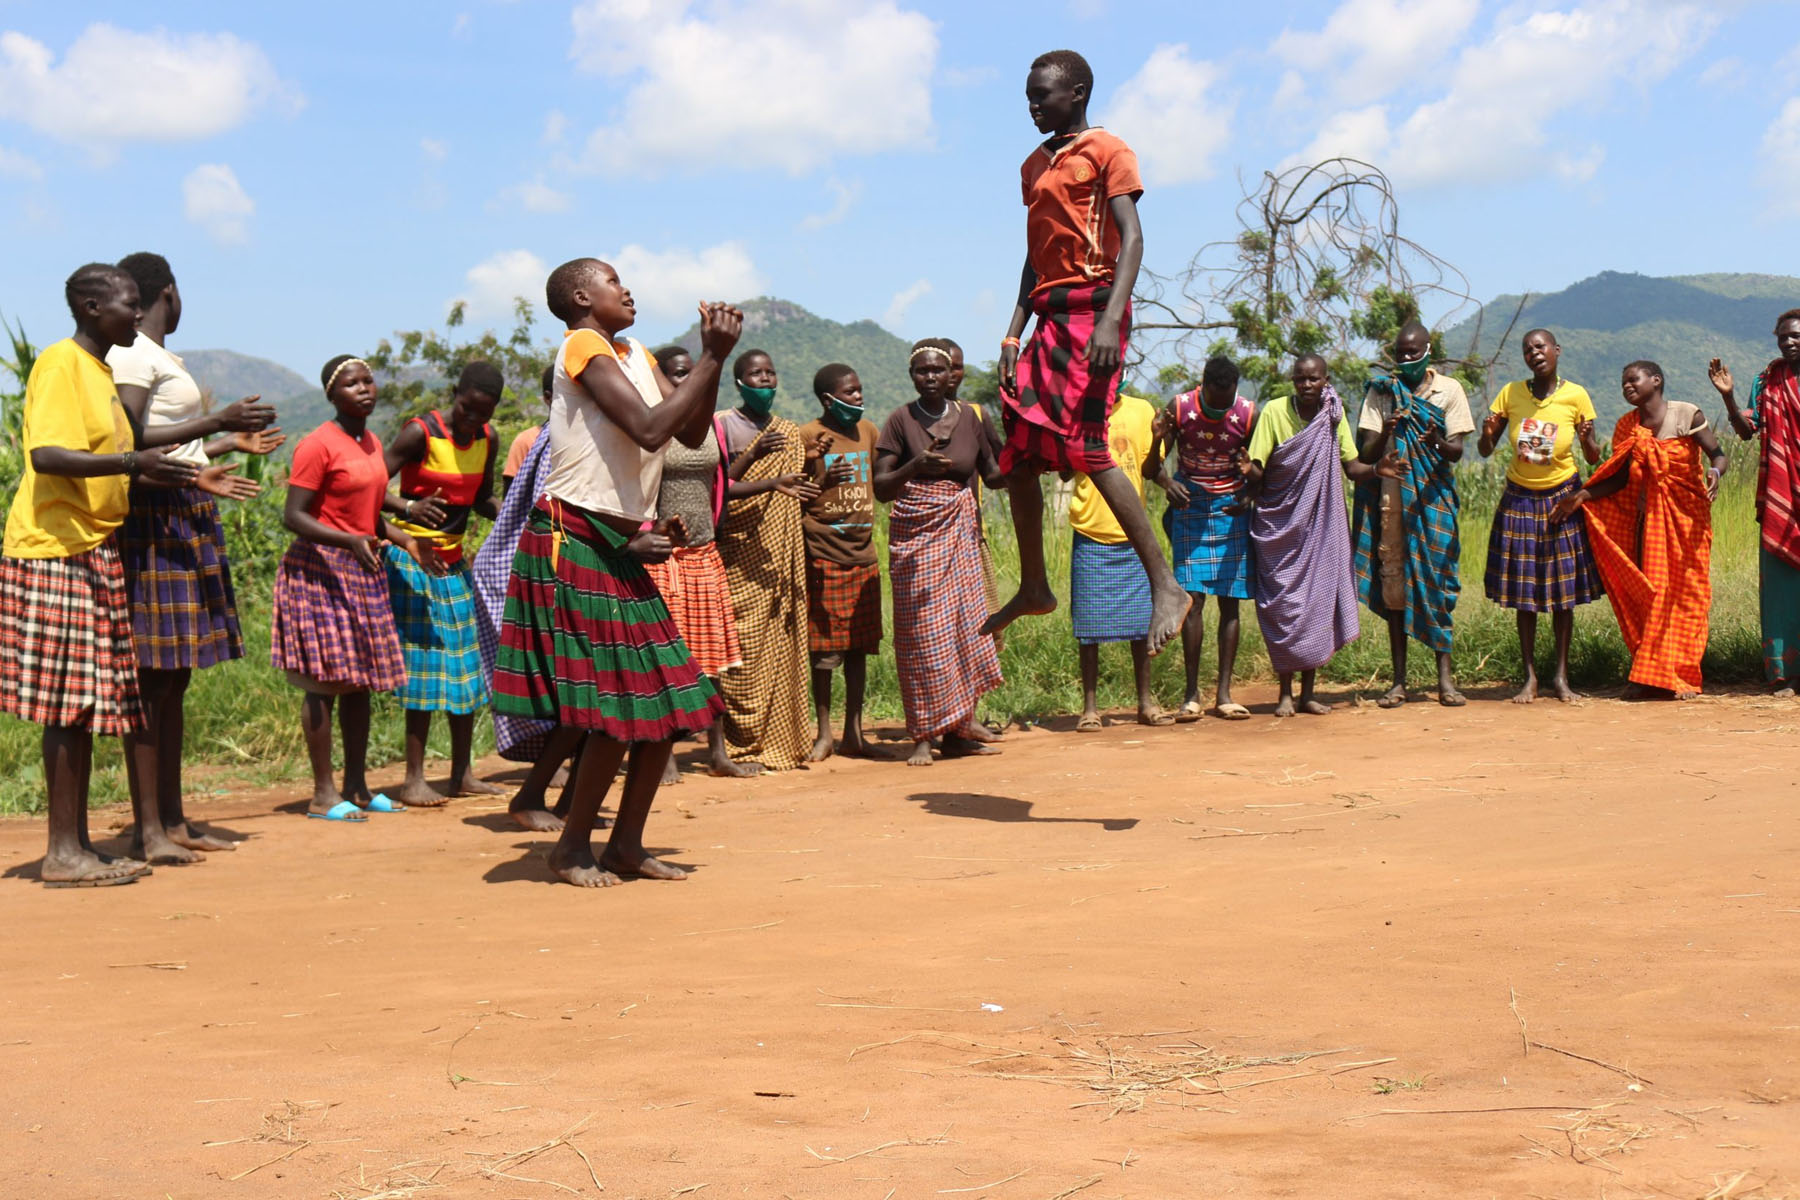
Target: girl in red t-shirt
[[333, 630]]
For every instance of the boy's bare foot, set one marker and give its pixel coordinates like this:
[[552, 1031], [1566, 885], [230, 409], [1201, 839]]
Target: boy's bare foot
[[644, 866], [957, 746], [580, 869], [1285, 708], [417, 793], [1559, 687], [856, 745], [1687, 695], [1168, 609], [1783, 690], [470, 785], [1033, 603], [1155, 717], [88, 869], [921, 755], [194, 838], [561, 778], [1636, 691], [821, 749], [156, 846], [323, 801], [671, 773], [1527, 694], [1449, 697], [1316, 708], [725, 768], [535, 820], [1395, 698]]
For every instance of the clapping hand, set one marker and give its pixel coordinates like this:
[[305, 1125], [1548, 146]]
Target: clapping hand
[[799, 486], [1720, 374], [720, 325], [260, 442], [1494, 426], [221, 479], [156, 468], [1391, 466], [246, 416], [428, 511], [366, 549]]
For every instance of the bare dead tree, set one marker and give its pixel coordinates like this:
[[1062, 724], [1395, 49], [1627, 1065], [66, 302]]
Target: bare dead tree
[[1319, 265]]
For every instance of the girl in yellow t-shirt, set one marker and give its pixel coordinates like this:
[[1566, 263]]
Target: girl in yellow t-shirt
[[1537, 564]]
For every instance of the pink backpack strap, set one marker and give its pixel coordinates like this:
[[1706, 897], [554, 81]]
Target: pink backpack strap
[[719, 478]]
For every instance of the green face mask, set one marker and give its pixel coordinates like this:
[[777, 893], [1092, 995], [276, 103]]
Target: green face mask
[[1412, 374], [844, 414], [757, 400]]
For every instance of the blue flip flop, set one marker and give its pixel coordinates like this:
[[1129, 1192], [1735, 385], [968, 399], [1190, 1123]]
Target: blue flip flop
[[381, 803], [339, 812]]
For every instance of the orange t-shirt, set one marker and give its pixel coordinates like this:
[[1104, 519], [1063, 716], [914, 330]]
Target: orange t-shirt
[[1069, 231], [347, 477], [515, 453]]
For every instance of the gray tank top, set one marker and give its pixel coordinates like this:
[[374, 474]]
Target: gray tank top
[[687, 487]]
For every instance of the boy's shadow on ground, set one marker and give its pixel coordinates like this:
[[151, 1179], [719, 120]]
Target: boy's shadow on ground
[[531, 867], [1006, 809]]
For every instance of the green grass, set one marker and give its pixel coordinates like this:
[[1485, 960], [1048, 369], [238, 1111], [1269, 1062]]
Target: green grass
[[243, 719]]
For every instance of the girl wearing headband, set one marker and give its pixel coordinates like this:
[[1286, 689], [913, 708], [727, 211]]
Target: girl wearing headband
[[333, 629]]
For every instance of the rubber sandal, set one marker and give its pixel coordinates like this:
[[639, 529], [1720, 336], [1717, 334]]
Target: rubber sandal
[[1088, 725], [339, 812], [1231, 712], [381, 803], [1156, 720], [1188, 713], [105, 881]]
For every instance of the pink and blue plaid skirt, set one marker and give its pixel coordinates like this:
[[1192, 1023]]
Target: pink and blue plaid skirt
[[332, 622]]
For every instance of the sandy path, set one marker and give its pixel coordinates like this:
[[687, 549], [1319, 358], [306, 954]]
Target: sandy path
[[410, 1001]]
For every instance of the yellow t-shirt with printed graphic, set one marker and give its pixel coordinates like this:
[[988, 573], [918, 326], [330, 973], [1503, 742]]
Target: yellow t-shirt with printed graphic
[[1542, 432]]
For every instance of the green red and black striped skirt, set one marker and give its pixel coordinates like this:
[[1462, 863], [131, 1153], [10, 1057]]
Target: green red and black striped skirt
[[587, 641]]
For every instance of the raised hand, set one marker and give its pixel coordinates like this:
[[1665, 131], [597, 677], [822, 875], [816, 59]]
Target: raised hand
[[838, 474], [1720, 374], [798, 486], [720, 326], [817, 448], [428, 511], [1494, 426], [221, 479], [246, 416], [156, 468], [264, 441]]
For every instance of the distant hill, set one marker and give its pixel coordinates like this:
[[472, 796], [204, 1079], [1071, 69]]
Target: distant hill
[[1680, 322], [801, 342], [231, 376]]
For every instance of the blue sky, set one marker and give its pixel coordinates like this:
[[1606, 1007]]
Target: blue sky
[[321, 175]]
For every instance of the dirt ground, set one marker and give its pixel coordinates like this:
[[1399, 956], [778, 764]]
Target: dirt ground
[[1495, 952]]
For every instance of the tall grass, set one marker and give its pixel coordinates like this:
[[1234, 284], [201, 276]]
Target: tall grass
[[243, 719]]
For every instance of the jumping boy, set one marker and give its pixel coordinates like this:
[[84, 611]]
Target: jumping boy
[[1084, 246], [1209, 522], [1407, 572], [843, 576]]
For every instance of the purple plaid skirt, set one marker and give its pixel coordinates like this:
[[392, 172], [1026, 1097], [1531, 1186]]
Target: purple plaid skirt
[[1534, 566], [332, 620], [183, 611]]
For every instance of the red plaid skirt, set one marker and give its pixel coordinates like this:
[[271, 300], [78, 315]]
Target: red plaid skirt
[[692, 583], [1057, 419], [843, 607], [66, 655]]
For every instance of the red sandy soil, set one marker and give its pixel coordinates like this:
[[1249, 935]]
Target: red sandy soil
[[407, 1008]]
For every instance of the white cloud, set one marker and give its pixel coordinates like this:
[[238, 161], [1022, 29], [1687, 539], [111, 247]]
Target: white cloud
[[1369, 47], [14, 165], [499, 280], [1168, 114], [1727, 73], [894, 319], [1779, 157], [459, 28], [786, 83], [844, 197], [1493, 122], [115, 86], [1357, 133], [213, 199], [434, 149], [536, 196], [670, 283], [556, 127]]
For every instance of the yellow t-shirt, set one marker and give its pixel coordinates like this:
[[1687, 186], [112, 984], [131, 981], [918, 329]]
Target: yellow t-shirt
[[71, 403], [1128, 437], [1542, 434], [1278, 421]]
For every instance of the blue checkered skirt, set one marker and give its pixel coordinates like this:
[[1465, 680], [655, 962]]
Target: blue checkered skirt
[[1109, 593], [435, 615], [1211, 546]]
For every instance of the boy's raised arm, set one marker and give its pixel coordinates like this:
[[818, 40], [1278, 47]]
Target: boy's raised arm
[[692, 400]]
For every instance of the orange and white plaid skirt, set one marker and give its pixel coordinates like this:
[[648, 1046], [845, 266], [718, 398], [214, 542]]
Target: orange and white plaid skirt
[[692, 583]]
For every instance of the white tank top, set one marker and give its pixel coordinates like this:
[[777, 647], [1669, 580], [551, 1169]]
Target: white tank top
[[593, 463]]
